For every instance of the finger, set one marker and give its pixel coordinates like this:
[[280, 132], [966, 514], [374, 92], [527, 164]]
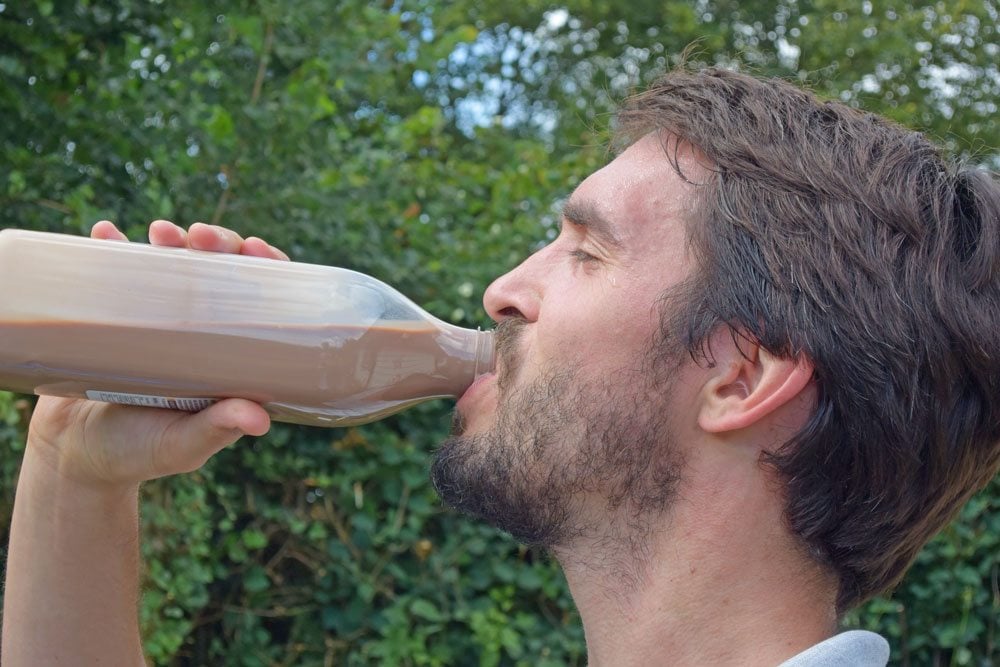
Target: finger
[[236, 414], [213, 238], [194, 439], [166, 233], [257, 247], [280, 254], [105, 229]]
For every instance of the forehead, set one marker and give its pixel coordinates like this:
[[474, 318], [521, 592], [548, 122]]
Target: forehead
[[640, 192]]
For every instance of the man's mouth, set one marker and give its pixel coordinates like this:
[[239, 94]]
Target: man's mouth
[[478, 387], [508, 334]]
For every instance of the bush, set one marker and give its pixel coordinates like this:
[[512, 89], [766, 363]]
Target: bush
[[378, 148]]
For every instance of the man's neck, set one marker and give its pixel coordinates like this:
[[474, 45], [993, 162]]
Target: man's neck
[[702, 588]]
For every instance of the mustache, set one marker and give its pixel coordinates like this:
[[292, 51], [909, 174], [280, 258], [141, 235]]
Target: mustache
[[506, 336]]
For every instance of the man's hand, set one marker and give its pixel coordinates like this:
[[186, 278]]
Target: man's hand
[[108, 445]]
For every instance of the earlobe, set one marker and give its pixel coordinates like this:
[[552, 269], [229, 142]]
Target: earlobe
[[751, 387]]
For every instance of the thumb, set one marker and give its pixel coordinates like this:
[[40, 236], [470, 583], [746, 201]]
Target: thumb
[[191, 440]]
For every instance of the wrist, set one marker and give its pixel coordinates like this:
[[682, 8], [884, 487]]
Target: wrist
[[45, 469]]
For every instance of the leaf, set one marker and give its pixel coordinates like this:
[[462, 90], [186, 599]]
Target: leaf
[[220, 126], [254, 539], [256, 580], [426, 610]]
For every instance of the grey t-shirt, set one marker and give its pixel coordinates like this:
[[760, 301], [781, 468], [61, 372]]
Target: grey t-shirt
[[854, 648]]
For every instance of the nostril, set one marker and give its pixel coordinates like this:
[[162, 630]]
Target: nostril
[[511, 311]]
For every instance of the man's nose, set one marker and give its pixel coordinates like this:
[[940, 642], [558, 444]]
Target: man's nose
[[517, 293]]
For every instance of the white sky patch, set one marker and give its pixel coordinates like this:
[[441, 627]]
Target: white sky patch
[[870, 84], [556, 19], [788, 53], [948, 80]]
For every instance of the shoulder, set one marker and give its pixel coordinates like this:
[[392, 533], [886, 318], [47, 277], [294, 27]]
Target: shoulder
[[854, 648]]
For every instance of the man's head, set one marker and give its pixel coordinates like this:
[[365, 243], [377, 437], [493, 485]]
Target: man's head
[[814, 236]]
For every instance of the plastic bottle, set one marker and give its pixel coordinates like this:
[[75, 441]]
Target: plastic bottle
[[177, 328]]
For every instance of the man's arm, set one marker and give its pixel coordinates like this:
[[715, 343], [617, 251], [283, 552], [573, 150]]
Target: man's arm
[[72, 572], [72, 583]]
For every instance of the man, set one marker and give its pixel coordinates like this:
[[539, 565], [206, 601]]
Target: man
[[756, 371]]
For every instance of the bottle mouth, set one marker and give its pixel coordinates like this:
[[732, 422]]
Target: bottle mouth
[[485, 352]]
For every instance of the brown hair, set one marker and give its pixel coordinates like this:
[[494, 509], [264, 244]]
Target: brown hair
[[839, 235]]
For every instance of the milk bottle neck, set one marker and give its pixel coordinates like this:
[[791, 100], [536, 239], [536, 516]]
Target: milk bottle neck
[[472, 349]]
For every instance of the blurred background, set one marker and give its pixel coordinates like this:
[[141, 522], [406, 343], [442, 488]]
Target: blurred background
[[427, 143]]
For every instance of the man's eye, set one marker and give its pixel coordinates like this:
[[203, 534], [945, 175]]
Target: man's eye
[[582, 256]]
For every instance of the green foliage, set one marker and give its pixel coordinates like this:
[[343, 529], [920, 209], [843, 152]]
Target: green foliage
[[948, 609], [424, 143], [312, 547], [13, 422]]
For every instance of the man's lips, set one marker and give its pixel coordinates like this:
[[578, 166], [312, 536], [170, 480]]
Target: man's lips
[[478, 387]]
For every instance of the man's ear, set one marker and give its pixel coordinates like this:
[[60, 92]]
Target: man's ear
[[748, 384]]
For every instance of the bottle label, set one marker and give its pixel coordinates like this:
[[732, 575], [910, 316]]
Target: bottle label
[[143, 400]]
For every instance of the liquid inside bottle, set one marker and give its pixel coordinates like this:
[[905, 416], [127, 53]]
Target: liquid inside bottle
[[168, 327]]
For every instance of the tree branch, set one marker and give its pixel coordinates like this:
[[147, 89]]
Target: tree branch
[[258, 85], [265, 56]]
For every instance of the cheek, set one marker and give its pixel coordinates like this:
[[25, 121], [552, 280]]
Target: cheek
[[606, 330], [630, 315]]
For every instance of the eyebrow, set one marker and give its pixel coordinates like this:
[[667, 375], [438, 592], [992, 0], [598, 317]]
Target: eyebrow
[[585, 214]]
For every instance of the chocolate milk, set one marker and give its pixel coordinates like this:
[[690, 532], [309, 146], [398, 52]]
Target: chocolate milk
[[332, 376], [172, 328]]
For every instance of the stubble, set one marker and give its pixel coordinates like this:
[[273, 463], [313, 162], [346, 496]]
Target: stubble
[[569, 458]]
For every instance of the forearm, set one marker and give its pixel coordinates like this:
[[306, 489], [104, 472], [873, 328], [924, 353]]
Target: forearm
[[72, 586]]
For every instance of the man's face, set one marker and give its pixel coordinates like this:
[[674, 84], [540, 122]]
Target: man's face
[[576, 425]]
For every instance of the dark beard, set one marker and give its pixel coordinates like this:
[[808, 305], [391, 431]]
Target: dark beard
[[557, 441]]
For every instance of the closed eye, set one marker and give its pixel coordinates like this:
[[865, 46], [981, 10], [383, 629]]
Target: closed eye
[[582, 255]]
